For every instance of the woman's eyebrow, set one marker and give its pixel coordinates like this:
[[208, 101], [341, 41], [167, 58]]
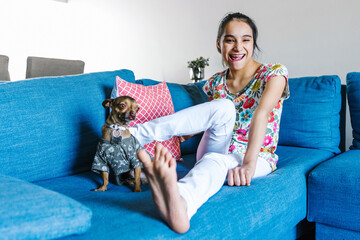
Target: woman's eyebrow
[[232, 36], [229, 35]]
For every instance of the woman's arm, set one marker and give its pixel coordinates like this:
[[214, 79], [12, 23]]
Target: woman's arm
[[274, 89]]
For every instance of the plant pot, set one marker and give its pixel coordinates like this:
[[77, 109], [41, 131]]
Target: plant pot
[[197, 74]]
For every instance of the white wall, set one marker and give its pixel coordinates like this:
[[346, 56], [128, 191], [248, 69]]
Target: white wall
[[156, 38]]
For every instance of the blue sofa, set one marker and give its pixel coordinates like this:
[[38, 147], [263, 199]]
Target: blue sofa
[[49, 131], [334, 190]]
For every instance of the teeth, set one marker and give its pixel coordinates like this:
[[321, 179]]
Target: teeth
[[237, 57]]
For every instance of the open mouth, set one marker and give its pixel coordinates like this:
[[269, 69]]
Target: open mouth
[[126, 118], [236, 57]]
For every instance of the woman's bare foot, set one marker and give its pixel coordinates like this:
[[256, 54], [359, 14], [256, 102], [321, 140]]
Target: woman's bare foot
[[162, 177]]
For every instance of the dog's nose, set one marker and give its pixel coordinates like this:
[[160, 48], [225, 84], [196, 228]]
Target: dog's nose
[[133, 114]]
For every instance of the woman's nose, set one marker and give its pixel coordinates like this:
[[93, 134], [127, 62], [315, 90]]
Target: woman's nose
[[237, 46]]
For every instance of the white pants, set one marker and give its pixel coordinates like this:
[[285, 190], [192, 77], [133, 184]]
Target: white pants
[[216, 119]]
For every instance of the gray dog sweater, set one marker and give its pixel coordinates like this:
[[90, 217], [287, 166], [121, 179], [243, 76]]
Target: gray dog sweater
[[120, 155]]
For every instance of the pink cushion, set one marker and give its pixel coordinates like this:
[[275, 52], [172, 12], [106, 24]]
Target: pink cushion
[[154, 102]]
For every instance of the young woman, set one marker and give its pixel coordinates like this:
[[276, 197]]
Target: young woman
[[240, 125]]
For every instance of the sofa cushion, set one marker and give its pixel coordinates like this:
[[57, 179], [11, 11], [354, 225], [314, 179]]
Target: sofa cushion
[[154, 102], [183, 96], [353, 93], [310, 117], [51, 126], [28, 211], [120, 212], [277, 201], [179, 96], [334, 192], [325, 232]]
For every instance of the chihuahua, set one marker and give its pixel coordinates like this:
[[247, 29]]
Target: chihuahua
[[117, 147]]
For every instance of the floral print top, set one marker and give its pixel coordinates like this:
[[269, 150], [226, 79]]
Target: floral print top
[[245, 103]]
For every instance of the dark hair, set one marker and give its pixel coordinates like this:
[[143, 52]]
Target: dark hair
[[241, 17]]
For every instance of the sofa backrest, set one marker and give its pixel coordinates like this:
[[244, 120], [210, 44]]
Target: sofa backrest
[[311, 116], [353, 93], [4, 68], [46, 67], [50, 126]]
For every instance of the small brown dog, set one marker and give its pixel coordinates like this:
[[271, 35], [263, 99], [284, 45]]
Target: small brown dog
[[118, 148]]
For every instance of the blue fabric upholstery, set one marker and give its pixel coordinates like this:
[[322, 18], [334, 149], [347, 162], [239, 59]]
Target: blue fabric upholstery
[[334, 192], [269, 209], [50, 134], [325, 232], [333, 189], [28, 211], [353, 92], [311, 115], [39, 114]]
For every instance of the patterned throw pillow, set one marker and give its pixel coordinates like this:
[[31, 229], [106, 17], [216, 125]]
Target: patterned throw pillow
[[154, 101]]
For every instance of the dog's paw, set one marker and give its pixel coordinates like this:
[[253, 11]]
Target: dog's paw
[[100, 189]]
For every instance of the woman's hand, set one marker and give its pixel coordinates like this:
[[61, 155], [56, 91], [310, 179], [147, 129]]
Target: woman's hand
[[241, 176]]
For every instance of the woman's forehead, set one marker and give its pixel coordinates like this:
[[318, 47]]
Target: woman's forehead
[[238, 28]]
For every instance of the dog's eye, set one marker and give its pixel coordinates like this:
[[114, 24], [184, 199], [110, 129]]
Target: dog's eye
[[137, 109], [122, 106]]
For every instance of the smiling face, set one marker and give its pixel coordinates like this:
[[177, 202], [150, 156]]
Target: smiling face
[[236, 44]]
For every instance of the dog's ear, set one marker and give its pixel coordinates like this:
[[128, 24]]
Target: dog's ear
[[107, 103]]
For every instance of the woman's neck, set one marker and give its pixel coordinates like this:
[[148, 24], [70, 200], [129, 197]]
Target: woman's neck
[[237, 80], [243, 74]]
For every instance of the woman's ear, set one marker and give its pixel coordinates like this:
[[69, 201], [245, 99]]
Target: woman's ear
[[218, 45]]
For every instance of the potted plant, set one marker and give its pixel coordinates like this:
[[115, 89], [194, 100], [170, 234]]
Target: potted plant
[[197, 68]]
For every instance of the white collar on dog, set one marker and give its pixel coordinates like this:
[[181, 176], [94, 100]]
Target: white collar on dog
[[116, 127], [117, 130]]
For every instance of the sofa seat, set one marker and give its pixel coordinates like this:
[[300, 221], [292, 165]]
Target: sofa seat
[[334, 197], [44, 215], [265, 210]]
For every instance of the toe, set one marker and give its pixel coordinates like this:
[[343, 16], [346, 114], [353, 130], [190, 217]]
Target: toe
[[168, 158], [158, 150], [144, 157]]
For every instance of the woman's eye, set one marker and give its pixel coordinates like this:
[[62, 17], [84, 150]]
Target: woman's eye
[[229, 40]]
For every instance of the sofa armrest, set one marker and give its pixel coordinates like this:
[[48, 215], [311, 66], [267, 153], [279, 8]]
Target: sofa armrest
[[28, 211], [334, 192]]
